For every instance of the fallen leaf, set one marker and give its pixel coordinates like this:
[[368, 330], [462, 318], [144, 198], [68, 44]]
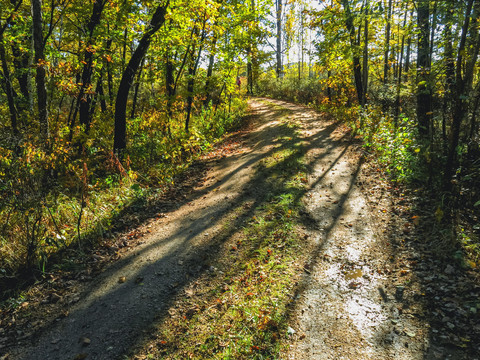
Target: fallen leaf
[[85, 341]]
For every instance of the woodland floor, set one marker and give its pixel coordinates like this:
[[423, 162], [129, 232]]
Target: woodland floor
[[369, 286]]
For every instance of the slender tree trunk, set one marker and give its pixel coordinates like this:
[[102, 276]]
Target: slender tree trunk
[[399, 75], [409, 45], [169, 83], [279, 66], [21, 61], [449, 68], [249, 72], [462, 85], [72, 114], [424, 95], [85, 95], [211, 62], [190, 89], [433, 29], [250, 56], [329, 89], [137, 87], [192, 70], [387, 42], [365, 58], [407, 55], [100, 93], [357, 69], [109, 74], [42, 100], [301, 44], [120, 131], [8, 88]]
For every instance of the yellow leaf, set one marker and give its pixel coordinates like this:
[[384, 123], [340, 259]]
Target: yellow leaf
[[439, 214]]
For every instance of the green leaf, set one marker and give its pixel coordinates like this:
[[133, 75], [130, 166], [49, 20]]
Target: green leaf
[[136, 187]]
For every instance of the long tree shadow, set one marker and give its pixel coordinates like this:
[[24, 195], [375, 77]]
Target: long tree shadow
[[137, 291], [126, 299]]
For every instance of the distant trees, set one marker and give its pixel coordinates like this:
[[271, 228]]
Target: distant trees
[[378, 42]]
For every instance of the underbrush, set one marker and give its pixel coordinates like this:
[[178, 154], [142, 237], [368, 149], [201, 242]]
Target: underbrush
[[242, 310], [290, 88], [71, 194]]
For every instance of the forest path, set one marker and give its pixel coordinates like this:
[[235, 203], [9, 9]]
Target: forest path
[[358, 297]]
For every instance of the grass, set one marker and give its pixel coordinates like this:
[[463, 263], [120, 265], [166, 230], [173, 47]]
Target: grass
[[240, 310]]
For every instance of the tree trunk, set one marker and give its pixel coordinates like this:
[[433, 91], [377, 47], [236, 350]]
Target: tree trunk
[[357, 69], [8, 88], [192, 70], [387, 42], [42, 100], [190, 89], [399, 75], [208, 86], [100, 93], [21, 61], [169, 83], [449, 68], [85, 95], [424, 94], [279, 66], [120, 131], [432, 30], [409, 45], [137, 87], [249, 72], [462, 87], [365, 58]]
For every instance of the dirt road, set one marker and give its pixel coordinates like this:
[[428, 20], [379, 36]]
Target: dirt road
[[358, 295]]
